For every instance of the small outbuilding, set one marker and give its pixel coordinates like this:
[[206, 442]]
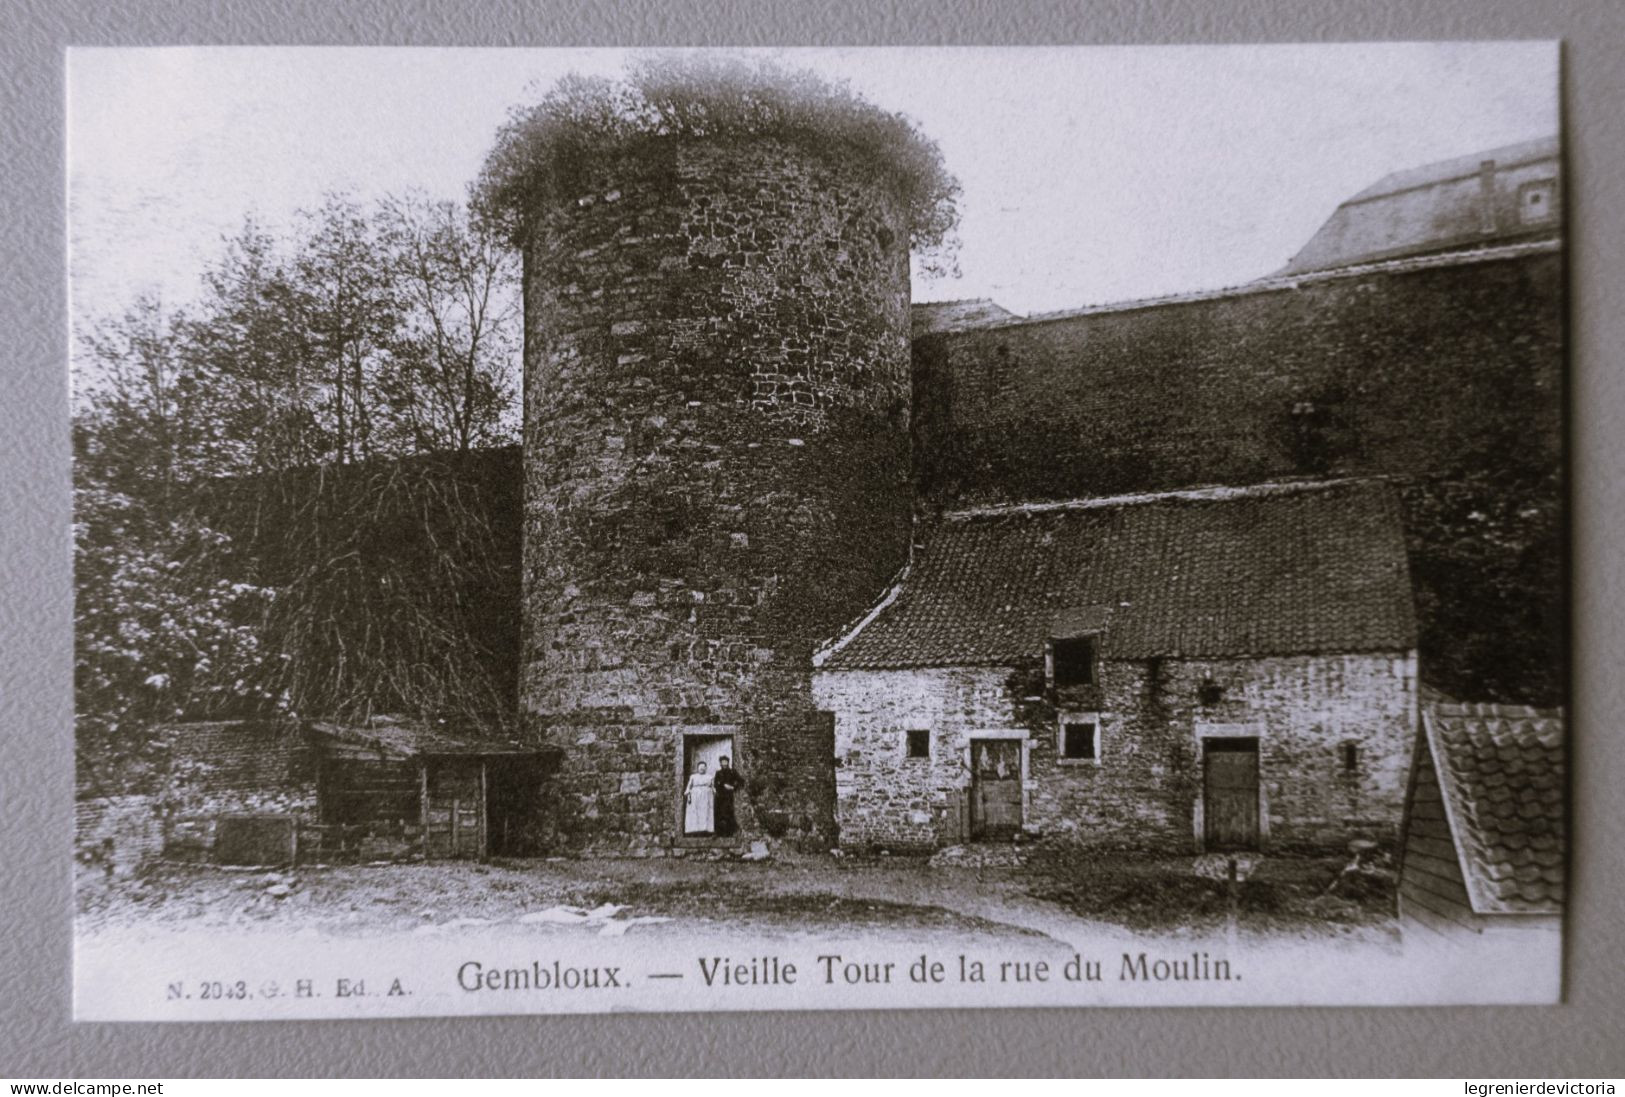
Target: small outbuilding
[[460, 793], [1485, 835]]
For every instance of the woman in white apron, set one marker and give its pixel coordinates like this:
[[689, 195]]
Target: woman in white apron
[[699, 812]]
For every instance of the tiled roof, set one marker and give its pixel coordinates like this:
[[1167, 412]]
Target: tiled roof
[[1278, 569], [1502, 771], [407, 739], [929, 317]]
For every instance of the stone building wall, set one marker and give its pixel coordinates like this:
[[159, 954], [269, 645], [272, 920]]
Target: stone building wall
[[239, 766], [1417, 371], [118, 833], [165, 788], [717, 471], [1145, 790], [1474, 208], [1447, 377]]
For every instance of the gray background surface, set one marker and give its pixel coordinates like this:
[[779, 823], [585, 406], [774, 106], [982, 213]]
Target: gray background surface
[[37, 1037]]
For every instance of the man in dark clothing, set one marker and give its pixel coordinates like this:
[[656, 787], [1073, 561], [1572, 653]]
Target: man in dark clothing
[[726, 781]]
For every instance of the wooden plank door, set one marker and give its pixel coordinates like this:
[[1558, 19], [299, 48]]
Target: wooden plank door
[[1230, 793], [465, 838], [454, 815], [995, 796]]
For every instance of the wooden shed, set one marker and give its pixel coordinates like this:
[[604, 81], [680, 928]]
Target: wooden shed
[[448, 793], [1484, 840]]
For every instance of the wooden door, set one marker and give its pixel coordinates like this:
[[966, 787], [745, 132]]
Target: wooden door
[[454, 809], [465, 836], [995, 789], [1230, 793]]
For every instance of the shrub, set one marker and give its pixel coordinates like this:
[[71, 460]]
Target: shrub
[[161, 630], [543, 151]]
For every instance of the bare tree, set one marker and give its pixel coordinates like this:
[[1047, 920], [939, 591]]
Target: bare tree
[[450, 384], [253, 338], [148, 407], [281, 499], [338, 291]]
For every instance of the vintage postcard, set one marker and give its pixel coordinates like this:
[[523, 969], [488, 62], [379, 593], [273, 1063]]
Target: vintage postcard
[[601, 530]]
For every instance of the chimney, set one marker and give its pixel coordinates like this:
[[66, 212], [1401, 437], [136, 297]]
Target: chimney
[[1486, 197]]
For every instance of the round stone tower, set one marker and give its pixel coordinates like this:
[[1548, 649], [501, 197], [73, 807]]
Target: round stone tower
[[717, 473]]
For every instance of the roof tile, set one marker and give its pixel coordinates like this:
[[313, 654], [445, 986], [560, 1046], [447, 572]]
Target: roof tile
[[1278, 569], [1502, 771], [408, 738]]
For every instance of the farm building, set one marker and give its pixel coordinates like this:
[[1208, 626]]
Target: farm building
[[465, 795], [1203, 670], [1496, 196]]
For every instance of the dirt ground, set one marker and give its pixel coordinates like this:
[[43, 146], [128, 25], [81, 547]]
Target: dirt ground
[[1041, 893], [1277, 893]]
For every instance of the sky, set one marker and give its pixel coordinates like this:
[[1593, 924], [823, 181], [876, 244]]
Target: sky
[[1090, 174]]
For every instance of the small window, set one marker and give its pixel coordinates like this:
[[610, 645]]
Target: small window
[[1073, 661], [1209, 692], [918, 743], [1080, 742], [1350, 753], [1535, 201]]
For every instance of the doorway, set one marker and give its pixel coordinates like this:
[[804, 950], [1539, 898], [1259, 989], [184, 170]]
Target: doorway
[[454, 808], [995, 787], [513, 795], [710, 749], [1230, 794]]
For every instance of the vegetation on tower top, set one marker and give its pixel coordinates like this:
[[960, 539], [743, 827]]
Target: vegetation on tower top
[[544, 150]]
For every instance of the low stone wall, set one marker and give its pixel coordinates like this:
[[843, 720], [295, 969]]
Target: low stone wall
[[118, 833], [239, 766], [162, 792]]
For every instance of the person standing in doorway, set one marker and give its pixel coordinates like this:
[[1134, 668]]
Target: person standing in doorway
[[699, 802], [727, 781]]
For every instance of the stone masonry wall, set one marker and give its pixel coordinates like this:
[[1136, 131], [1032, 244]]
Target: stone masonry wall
[[1449, 379], [240, 766], [717, 472], [1145, 790], [1420, 372], [118, 833], [169, 783]]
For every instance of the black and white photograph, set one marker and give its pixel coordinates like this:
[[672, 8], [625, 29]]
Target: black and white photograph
[[592, 530]]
